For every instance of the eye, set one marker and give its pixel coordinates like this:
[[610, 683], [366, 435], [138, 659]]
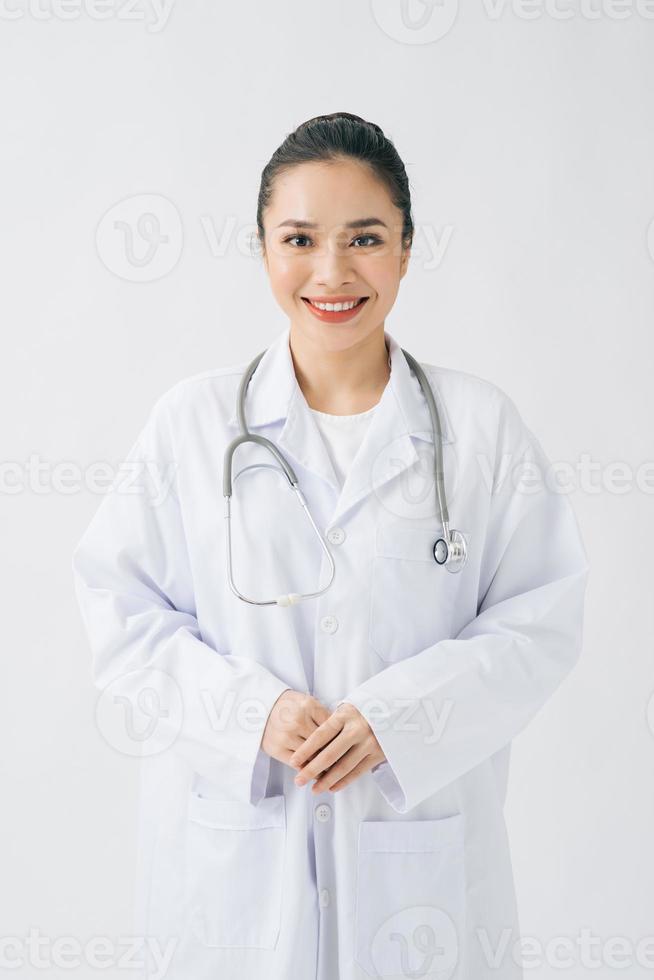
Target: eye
[[290, 238], [376, 240]]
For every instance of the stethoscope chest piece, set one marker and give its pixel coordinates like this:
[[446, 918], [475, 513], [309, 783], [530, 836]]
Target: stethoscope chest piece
[[451, 554]]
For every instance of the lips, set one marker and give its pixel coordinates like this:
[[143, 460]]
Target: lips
[[333, 316]]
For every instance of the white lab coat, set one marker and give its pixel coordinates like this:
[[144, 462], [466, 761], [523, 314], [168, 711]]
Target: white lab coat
[[407, 868]]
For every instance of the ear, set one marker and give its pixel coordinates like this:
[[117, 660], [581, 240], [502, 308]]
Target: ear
[[259, 249], [404, 261]]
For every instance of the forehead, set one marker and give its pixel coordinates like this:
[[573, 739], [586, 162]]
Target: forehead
[[329, 193]]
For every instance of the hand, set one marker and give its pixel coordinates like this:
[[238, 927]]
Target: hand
[[338, 751], [293, 717]]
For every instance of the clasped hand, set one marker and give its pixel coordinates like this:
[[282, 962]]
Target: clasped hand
[[335, 748]]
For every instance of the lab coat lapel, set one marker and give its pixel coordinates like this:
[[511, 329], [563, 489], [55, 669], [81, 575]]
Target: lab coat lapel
[[301, 439], [385, 452], [399, 427], [274, 396]]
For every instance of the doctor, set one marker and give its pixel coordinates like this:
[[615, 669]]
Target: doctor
[[327, 803]]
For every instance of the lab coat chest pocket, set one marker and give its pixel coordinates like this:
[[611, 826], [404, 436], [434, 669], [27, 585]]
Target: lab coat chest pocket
[[234, 870], [410, 897], [412, 598]]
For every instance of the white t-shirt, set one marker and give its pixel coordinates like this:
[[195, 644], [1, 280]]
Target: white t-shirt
[[343, 434]]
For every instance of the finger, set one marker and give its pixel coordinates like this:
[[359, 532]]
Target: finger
[[318, 739], [341, 768], [304, 727], [286, 756], [324, 760], [362, 766], [296, 765], [291, 744], [312, 717], [307, 727], [326, 744], [296, 742], [309, 717], [320, 713]]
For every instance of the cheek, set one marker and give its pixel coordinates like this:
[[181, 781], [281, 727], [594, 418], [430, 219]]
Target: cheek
[[381, 273], [286, 276], [386, 288]]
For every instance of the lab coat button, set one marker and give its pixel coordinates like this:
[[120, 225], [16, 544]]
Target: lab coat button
[[324, 898], [323, 812], [336, 535], [329, 624]]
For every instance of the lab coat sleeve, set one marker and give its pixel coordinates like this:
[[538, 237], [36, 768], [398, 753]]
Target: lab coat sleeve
[[441, 712], [133, 583]]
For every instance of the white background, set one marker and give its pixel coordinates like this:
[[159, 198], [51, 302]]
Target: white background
[[527, 137]]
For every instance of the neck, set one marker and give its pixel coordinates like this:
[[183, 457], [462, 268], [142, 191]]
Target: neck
[[341, 382]]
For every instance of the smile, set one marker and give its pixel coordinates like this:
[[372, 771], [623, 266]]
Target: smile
[[336, 312]]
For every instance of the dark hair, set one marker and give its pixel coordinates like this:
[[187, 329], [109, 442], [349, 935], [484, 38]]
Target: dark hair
[[334, 137]]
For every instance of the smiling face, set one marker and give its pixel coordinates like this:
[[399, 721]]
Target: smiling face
[[333, 235]]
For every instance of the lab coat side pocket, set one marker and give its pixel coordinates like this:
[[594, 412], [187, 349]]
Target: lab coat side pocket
[[410, 897], [234, 870]]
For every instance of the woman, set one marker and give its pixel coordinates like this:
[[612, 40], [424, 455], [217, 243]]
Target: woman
[[326, 796]]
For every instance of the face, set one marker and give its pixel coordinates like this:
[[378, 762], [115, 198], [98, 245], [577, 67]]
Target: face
[[331, 253]]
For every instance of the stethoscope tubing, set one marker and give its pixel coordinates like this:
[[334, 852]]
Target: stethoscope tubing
[[450, 550]]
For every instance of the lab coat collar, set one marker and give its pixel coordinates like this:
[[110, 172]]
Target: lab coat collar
[[388, 448], [274, 389]]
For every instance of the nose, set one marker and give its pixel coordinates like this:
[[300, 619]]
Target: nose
[[333, 267]]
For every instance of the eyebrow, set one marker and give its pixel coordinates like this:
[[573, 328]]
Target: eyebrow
[[360, 223]]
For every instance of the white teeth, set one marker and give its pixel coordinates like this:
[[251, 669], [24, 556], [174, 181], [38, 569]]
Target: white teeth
[[336, 307]]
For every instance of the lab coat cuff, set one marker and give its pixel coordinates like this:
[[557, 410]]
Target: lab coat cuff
[[388, 785], [260, 775], [260, 766]]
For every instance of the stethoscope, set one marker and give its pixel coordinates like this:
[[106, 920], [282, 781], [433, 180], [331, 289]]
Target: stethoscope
[[450, 551]]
